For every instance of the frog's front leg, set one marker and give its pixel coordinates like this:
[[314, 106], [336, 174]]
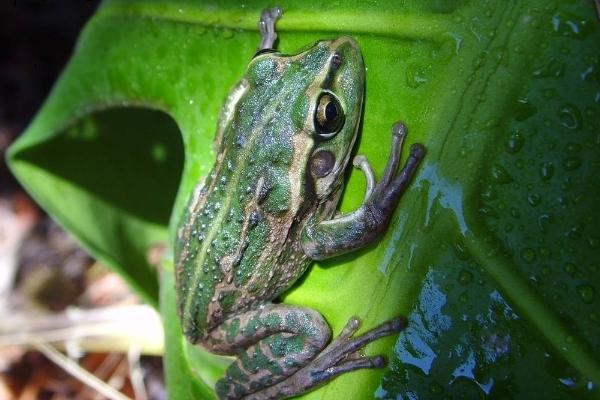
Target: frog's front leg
[[271, 343], [324, 239]]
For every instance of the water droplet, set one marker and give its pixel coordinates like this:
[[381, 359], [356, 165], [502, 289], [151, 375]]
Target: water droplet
[[488, 211], [461, 250], [435, 388], [553, 68], [544, 220], [571, 163], [570, 339], [489, 193], [575, 231], [549, 93], [465, 277], [570, 269], [524, 109], [515, 213], [547, 170], [573, 148], [570, 25], [586, 293], [546, 270], [528, 255], [227, 33], [514, 143], [500, 174], [562, 200], [534, 199], [570, 117], [415, 76]]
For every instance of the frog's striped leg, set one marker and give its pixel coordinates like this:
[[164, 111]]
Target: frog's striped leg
[[324, 239], [271, 343], [339, 357]]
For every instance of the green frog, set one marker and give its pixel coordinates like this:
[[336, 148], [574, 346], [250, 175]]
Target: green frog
[[268, 208]]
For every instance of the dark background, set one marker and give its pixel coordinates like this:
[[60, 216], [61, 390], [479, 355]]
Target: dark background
[[36, 41]]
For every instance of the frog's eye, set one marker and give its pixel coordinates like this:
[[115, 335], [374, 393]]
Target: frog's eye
[[329, 116]]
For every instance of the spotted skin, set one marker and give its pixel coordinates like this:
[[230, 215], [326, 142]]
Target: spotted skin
[[266, 210]]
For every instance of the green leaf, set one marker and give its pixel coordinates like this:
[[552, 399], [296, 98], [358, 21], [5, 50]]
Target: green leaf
[[493, 252]]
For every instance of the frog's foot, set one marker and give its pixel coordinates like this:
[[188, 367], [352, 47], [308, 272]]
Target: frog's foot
[[266, 25], [385, 194], [341, 356]]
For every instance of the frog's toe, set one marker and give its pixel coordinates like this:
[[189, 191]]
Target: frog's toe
[[343, 355], [418, 151], [399, 129], [363, 164]]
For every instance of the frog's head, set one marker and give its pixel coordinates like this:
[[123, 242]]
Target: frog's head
[[313, 102], [334, 112]]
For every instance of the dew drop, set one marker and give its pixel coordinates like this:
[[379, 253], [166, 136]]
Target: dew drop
[[500, 174], [514, 143], [575, 231], [573, 148], [415, 76], [227, 33], [570, 269], [547, 170], [546, 270], [534, 199], [571, 163], [553, 68], [465, 277], [549, 93], [528, 255], [435, 388], [524, 109], [488, 211], [461, 250], [570, 117], [544, 220], [515, 213], [586, 293], [489, 193]]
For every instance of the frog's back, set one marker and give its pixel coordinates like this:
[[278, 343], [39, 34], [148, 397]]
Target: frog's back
[[240, 238]]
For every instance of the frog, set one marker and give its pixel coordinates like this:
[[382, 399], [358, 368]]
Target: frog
[[268, 209]]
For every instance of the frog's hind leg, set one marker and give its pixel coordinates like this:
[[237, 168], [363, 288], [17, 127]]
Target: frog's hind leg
[[271, 343], [341, 356]]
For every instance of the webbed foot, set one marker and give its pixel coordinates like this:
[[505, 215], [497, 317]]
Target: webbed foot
[[386, 193], [340, 356]]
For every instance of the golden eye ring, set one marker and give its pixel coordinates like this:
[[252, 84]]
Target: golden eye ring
[[329, 115]]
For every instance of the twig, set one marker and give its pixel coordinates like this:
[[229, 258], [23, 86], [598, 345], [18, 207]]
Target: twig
[[78, 372]]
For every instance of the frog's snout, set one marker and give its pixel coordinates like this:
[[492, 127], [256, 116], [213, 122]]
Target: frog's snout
[[347, 51]]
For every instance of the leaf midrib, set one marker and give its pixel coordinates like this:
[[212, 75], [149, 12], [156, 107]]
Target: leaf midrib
[[381, 23]]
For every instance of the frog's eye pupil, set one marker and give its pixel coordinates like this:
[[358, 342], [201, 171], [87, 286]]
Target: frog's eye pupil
[[330, 111], [329, 116]]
